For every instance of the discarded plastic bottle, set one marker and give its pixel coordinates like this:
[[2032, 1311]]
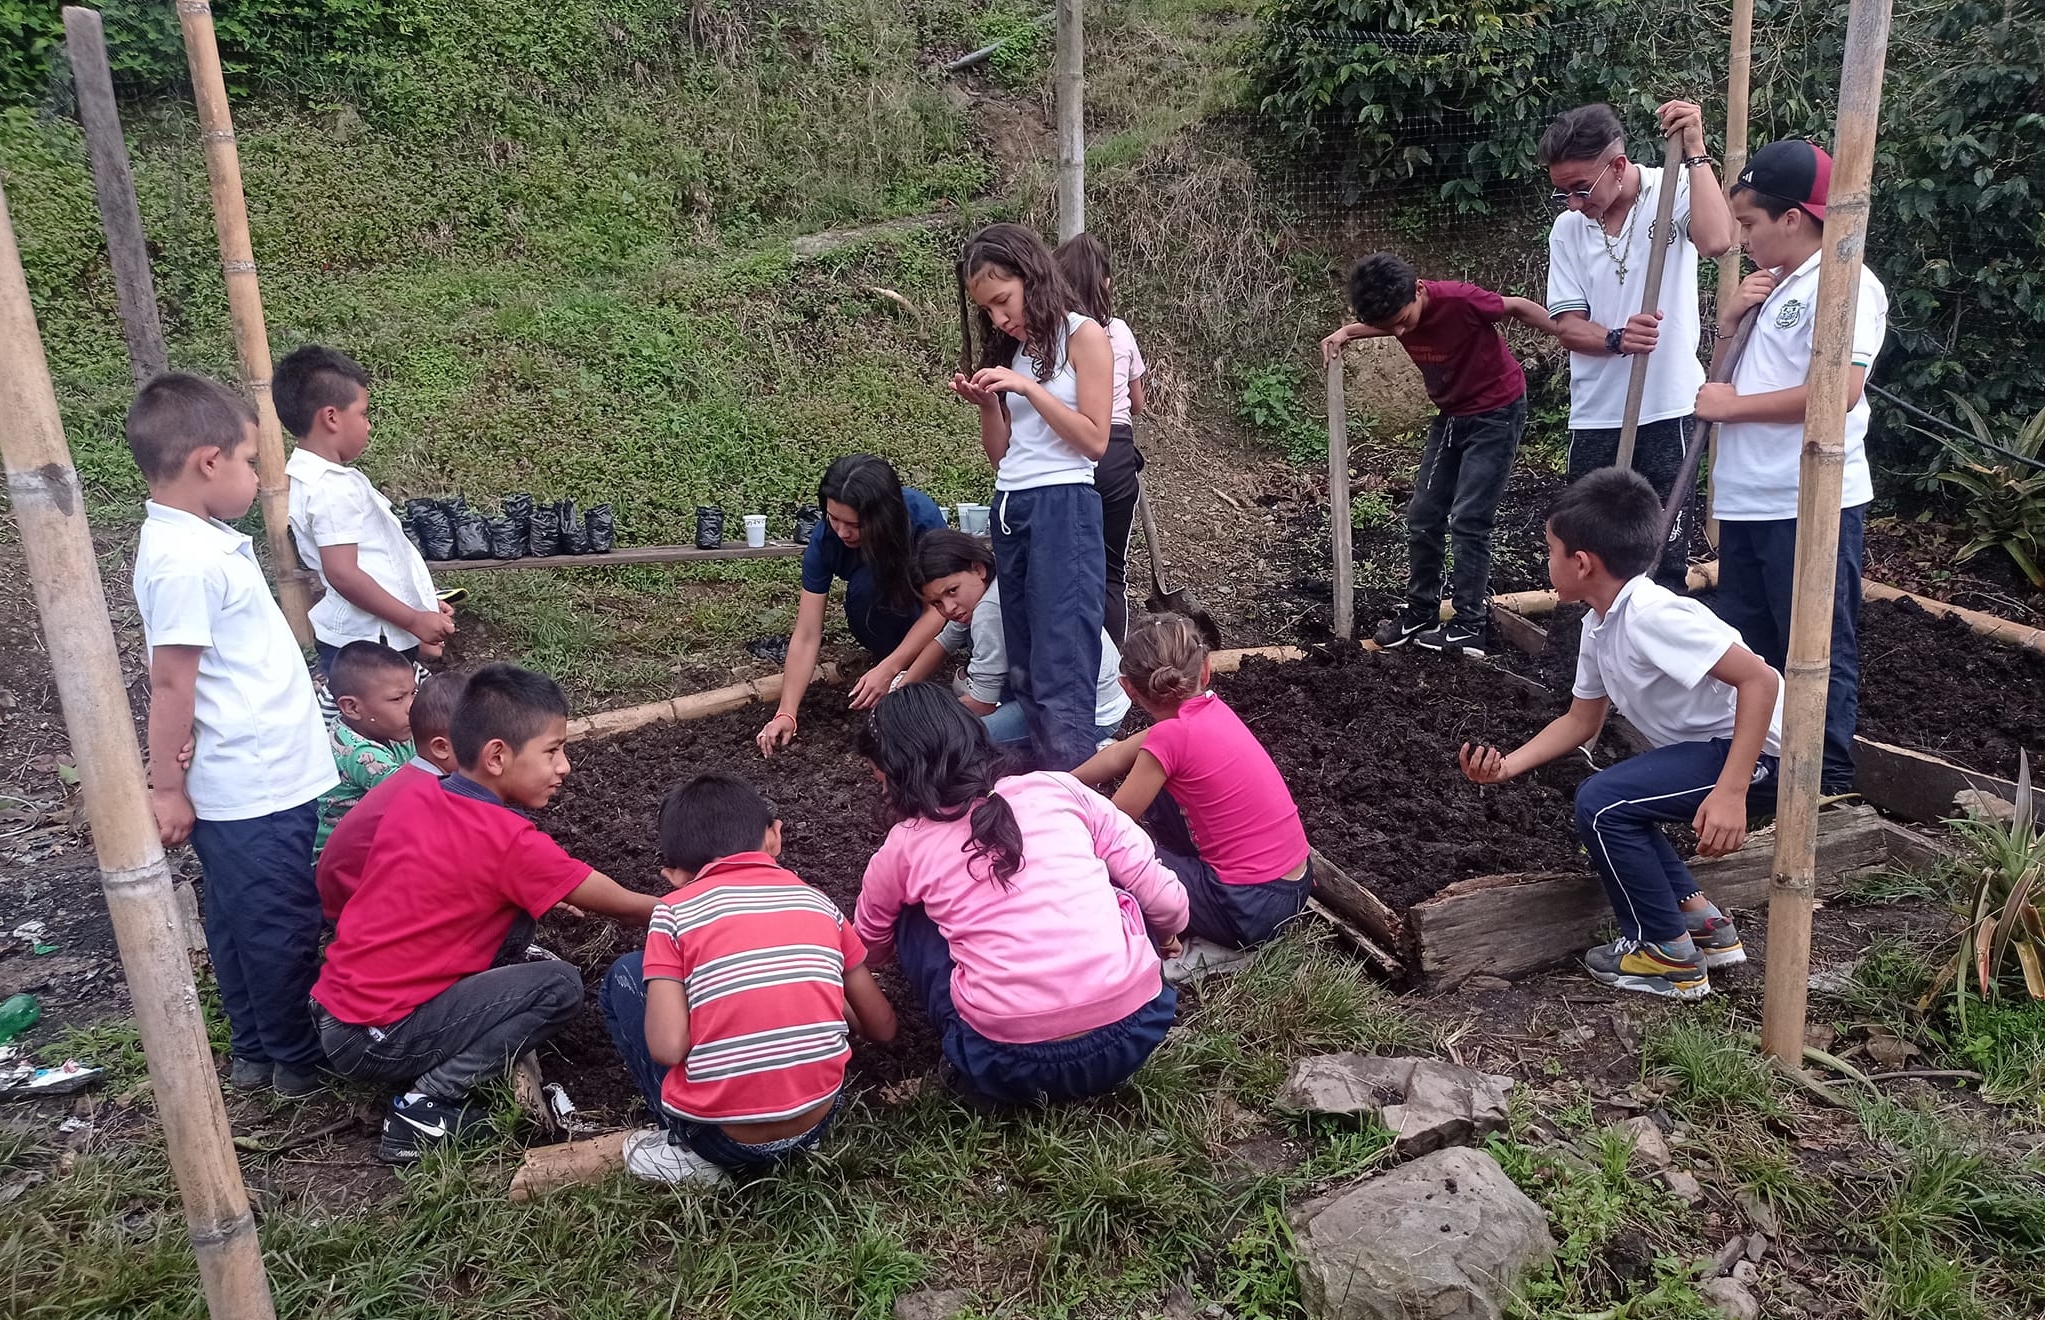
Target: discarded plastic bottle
[[17, 1015]]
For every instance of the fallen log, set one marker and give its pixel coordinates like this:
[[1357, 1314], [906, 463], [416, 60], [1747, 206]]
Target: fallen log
[[1509, 925], [546, 1168]]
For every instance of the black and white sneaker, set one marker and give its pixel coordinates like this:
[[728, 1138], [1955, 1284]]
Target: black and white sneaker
[[409, 1131], [1452, 636], [1400, 629]]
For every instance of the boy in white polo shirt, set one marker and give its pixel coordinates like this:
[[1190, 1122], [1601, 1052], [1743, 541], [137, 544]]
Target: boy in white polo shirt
[[1598, 254], [226, 675], [1711, 708], [1779, 203], [378, 588]]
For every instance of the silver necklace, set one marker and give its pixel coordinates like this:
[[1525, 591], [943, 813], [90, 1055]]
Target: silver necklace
[[1616, 250]]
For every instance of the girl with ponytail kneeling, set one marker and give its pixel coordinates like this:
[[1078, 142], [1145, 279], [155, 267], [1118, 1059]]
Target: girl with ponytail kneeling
[[1027, 912]]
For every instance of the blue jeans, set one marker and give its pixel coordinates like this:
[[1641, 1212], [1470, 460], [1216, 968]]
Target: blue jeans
[[874, 626], [622, 996], [1463, 470], [1618, 817], [1238, 916], [1049, 553], [1007, 726], [1756, 577], [1086, 1065], [263, 931]]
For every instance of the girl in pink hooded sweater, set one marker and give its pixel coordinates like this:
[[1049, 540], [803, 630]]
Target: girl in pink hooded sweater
[[1028, 913]]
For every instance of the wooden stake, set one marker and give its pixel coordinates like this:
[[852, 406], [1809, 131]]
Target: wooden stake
[[114, 187], [245, 302], [1071, 89], [1739, 66], [1651, 295], [1338, 503], [1820, 478], [49, 508]]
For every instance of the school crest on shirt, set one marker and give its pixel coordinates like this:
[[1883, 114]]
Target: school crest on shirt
[[1787, 315]]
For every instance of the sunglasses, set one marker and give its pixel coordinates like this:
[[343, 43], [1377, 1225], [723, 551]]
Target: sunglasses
[[1582, 194]]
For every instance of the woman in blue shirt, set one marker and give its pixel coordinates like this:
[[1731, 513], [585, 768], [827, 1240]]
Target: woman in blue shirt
[[871, 524]]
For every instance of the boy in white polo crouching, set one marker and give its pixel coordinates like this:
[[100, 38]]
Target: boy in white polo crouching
[[1711, 707]]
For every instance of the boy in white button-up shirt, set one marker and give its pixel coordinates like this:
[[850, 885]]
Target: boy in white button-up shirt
[[1779, 203], [226, 675], [1710, 707], [378, 588]]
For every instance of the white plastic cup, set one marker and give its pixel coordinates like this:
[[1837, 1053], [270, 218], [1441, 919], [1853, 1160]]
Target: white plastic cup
[[756, 530], [973, 519]]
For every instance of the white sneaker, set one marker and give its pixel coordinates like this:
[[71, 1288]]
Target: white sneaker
[[1201, 957], [649, 1155]]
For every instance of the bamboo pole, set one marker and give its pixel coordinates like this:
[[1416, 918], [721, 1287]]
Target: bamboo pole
[[1651, 295], [1808, 672], [114, 188], [1071, 91], [56, 541], [1739, 77], [245, 301], [1338, 503]]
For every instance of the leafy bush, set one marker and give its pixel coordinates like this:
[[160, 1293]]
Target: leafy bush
[[2004, 906], [1451, 97], [1270, 402], [2005, 489]]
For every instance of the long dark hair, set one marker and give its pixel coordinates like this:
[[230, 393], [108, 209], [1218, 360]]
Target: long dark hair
[[1084, 262], [1018, 252], [873, 491], [940, 766], [943, 552]]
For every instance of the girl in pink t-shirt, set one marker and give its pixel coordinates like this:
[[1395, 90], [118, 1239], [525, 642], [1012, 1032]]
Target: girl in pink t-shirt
[[1207, 791], [1027, 912]]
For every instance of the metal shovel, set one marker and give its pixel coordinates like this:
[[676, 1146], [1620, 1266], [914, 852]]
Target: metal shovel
[[1181, 601]]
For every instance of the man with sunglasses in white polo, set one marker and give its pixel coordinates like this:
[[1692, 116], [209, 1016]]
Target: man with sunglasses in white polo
[[1597, 264]]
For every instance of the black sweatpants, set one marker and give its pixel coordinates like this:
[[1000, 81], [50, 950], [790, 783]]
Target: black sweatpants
[[1658, 456], [1117, 478]]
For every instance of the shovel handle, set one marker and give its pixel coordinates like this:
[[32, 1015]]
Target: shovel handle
[[1150, 541], [1651, 296]]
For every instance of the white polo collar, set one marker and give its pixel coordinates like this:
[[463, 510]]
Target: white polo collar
[[211, 531], [305, 465]]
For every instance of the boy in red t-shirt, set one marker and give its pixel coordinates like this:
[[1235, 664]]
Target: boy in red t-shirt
[[1450, 331], [408, 993], [734, 1020]]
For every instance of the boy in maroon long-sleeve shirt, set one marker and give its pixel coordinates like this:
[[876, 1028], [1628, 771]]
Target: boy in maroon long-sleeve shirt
[[1450, 331]]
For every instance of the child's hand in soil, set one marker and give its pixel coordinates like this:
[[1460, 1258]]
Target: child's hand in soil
[[174, 815], [964, 386], [1721, 822], [777, 732], [874, 684], [1483, 765]]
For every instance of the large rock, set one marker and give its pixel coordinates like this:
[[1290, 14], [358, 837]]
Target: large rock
[[1425, 1103], [1447, 1237]]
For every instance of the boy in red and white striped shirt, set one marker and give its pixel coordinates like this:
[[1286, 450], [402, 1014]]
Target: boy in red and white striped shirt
[[735, 1019]]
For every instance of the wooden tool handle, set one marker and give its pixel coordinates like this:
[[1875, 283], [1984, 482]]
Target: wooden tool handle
[[1651, 296]]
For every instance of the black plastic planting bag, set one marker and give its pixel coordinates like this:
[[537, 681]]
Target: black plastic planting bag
[[603, 531], [412, 535], [709, 527], [543, 531], [471, 536], [574, 536], [807, 516], [518, 511], [505, 539], [433, 526]]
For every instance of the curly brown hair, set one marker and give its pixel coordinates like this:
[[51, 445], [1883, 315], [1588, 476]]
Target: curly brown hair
[[1019, 253]]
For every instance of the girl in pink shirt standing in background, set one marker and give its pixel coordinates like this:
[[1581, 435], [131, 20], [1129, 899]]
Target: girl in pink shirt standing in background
[[1208, 792], [1027, 912]]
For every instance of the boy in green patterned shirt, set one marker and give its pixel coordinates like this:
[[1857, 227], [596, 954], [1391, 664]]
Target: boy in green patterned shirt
[[371, 737]]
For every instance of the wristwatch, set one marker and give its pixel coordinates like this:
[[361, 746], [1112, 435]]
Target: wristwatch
[[1612, 338]]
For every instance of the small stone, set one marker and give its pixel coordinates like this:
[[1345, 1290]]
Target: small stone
[[1683, 1187], [1983, 805], [1757, 1247], [1487, 985], [1759, 1213], [1576, 1036], [1745, 1271], [1731, 1298], [1425, 1103], [1649, 1144], [933, 1304]]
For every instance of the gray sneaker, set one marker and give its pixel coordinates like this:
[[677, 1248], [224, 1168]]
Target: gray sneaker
[[294, 1085], [1718, 942], [1647, 968]]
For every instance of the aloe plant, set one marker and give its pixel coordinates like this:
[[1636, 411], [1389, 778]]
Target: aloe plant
[[2004, 863], [2005, 494]]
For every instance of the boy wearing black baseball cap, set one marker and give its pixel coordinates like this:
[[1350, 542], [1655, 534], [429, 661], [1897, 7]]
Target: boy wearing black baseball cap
[[1779, 204]]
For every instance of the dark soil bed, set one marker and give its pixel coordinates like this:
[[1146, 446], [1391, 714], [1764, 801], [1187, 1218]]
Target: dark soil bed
[[1926, 681], [1368, 743]]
